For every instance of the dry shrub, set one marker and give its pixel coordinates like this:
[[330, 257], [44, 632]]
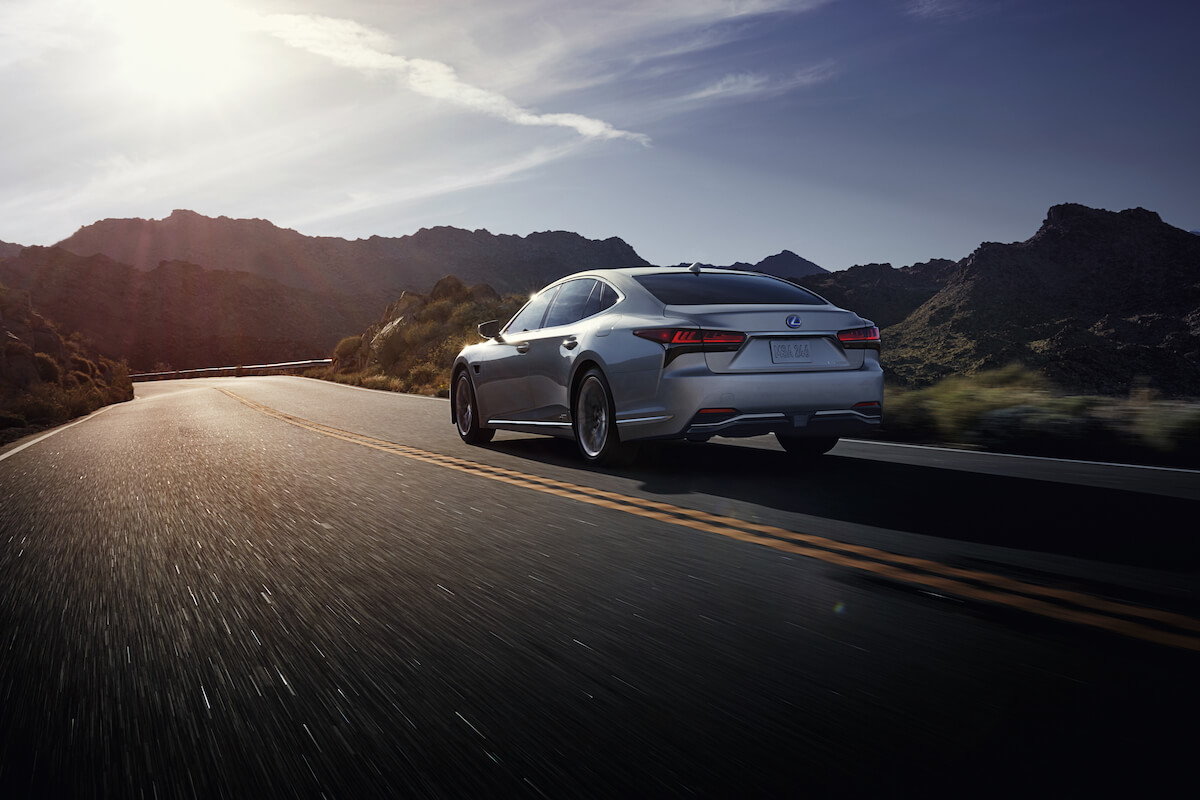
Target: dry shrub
[[84, 365], [387, 383], [83, 400], [41, 405], [47, 368]]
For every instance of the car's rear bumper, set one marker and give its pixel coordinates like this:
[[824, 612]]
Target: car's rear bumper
[[821, 422], [694, 403]]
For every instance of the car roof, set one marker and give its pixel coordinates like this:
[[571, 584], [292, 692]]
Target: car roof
[[624, 277], [634, 272]]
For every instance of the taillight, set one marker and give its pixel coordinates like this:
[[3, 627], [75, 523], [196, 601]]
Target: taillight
[[860, 338], [678, 341], [709, 340]]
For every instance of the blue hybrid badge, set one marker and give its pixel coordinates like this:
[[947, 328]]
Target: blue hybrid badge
[[794, 321]]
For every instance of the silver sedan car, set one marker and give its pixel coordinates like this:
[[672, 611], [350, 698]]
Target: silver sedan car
[[618, 356]]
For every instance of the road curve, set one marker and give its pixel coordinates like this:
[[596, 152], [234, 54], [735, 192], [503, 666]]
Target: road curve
[[277, 587]]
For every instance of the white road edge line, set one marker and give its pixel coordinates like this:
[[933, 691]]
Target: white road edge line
[[59, 429], [1018, 455]]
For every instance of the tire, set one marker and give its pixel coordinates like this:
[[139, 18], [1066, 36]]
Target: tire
[[807, 446], [466, 412], [594, 423]]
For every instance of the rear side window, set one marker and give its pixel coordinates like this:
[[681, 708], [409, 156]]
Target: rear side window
[[529, 318], [571, 303], [603, 297], [714, 288]]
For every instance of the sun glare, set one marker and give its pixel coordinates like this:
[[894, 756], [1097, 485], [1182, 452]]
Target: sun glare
[[181, 53]]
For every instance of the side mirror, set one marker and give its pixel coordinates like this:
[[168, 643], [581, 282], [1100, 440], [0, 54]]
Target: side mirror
[[490, 329]]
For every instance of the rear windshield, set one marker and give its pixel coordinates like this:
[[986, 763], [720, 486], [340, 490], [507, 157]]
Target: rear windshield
[[715, 288]]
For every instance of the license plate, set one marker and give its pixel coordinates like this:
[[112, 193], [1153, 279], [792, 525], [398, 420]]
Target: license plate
[[791, 351]]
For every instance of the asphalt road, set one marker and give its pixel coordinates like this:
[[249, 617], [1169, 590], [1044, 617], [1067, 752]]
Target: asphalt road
[[276, 587]]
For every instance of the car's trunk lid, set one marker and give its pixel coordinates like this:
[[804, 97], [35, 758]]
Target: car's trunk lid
[[783, 338]]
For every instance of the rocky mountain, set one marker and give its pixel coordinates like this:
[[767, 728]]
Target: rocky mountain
[[8, 250], [1099, 301], [182, 314], [787, 264], [879, 291], [327, 264], [784, 264]]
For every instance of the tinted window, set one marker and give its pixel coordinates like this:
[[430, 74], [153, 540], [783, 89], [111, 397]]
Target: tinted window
[[608, 296], [571, 303], [529, 318], [603, 296], [713, 288]]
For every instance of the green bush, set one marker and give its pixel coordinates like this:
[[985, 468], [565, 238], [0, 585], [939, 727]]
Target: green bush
[[1167, 427], [951, 410], [908, 415], [1013, 377], [1016, 411]]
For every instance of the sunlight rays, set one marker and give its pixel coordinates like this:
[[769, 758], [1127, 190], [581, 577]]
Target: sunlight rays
[[180, 53]]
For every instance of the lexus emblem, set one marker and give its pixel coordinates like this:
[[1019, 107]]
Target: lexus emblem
[[794, 321]]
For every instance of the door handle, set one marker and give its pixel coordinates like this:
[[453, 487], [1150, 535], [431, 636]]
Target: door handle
[[523, 347], [570, 343]]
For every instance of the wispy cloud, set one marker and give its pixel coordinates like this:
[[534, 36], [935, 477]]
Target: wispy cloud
[[350, 44], [423, 182], [744, 85], [556, 47], [937, 9], [817, 73], [731, 86]]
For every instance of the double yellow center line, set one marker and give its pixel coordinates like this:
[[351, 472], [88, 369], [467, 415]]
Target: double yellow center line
[[1149, 624]]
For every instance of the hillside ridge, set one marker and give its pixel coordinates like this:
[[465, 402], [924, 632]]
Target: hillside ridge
[[329, 264], [1097, 300]]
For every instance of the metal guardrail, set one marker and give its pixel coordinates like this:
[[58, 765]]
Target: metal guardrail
[[228, 372]]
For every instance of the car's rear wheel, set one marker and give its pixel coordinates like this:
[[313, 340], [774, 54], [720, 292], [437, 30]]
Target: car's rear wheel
[[595, 422], [807, 446], [466, 412]]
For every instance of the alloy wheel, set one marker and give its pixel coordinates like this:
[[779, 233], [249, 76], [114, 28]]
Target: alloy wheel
[[593, 416], [463, 407]]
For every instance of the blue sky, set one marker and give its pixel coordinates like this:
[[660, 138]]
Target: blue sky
[[848, 131]]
